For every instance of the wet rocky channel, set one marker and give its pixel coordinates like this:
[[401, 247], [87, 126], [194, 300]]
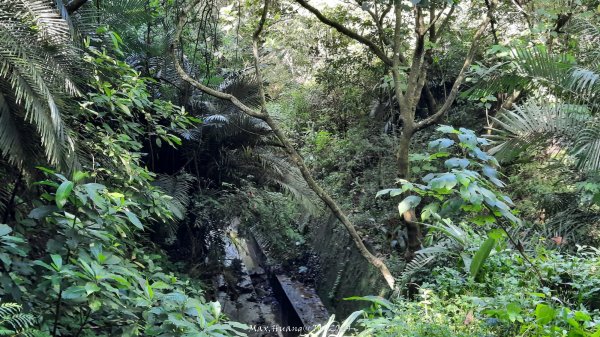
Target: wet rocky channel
[[270, 302]]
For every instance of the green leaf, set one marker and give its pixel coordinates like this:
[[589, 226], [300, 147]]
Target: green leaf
[[481, 255], [56, 261], [444, 182], [4, 229], [497, 234], [91, 288], [78, 176], [63, 192], [391, 191], [124, 108], [409, 202], [513, 310], [446, 129], [582, 316], [441, 143], [457, 162], [544, 314], [134, 219], [95, 305], [74, 293], [148, 290], [42, 211]]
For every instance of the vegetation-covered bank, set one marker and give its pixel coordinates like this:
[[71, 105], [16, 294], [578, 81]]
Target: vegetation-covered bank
[[449, 148]]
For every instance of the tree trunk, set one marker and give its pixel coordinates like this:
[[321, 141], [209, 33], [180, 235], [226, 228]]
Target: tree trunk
[[413, 234], [403, 152]]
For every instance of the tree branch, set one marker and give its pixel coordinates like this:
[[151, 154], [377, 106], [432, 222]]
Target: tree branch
[[378, 24], [490, 12], [184, 75], [349, 33], [459, 79], [444, 23], [74, 5]]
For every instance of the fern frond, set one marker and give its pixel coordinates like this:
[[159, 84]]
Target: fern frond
[[533, 125], [178, 187], [418, 263], [15, 323], [9, 309], [279, 171]]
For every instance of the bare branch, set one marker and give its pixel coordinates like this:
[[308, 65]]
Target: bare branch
[[444, 23], [184, 75], [378, 24], [261, 23], [255, 45], [459, 80], [351, 34], [434, 19], [74, 5]]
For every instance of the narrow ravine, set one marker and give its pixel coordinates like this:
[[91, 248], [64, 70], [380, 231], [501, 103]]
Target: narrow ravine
[[271, 303]]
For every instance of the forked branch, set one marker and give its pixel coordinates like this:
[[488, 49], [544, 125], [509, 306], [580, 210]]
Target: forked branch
[[348, 32], [458, 81]]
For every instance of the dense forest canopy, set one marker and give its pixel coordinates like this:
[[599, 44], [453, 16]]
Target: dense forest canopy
[[286, 167]]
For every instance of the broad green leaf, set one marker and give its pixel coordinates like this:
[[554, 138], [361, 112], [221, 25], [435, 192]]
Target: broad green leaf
[[78, 176], [95, 305], [124, 108], [160, 285], [91, 288], [4, 229], [497, 234], [513, 310], [456, 162], [56, 261], [389, 191], [63, 192], [444, 182], [429, 210], [544, 314], [439, 144], [468, 139], [74, 293], [134, 219], [409, 202], [446, 129], [481, 255], [582, 316]]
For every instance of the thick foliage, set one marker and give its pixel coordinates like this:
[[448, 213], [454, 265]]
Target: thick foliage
[[38, 66]]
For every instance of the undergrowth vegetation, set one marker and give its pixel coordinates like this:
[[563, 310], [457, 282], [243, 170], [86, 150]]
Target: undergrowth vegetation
[[444, 155]]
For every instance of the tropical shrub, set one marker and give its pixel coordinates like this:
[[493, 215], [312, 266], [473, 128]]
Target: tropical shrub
[[93, 272]]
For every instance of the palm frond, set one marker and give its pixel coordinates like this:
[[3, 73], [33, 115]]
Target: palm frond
[[111, 13], [571, 226], [569, 129], [36, 56], [453, 242]]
